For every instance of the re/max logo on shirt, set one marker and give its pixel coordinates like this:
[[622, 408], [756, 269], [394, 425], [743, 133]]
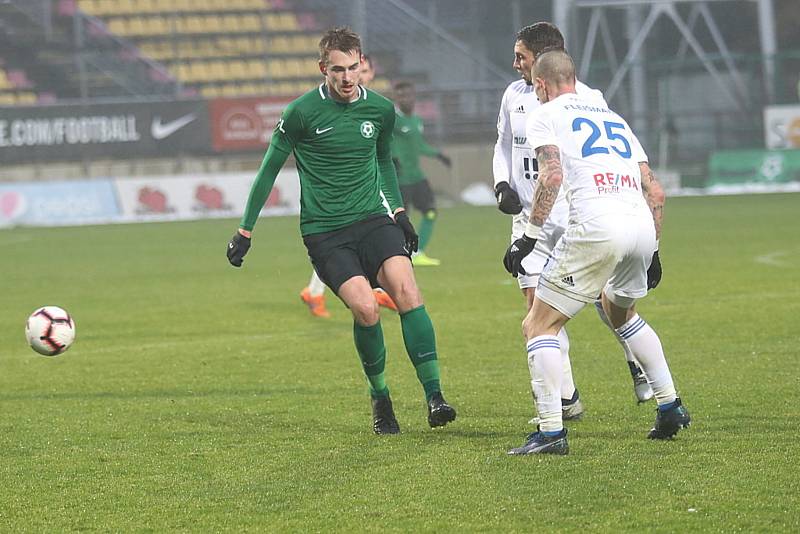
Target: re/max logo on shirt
[[610, 182]]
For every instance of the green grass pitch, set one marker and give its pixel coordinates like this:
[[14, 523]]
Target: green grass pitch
[[199, 397]]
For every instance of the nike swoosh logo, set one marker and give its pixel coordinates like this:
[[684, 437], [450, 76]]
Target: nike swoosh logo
[[426, 354], [161, 130], [323, 131]]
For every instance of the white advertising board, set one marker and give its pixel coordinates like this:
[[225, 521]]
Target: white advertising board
[[782, 127], [169, 198]]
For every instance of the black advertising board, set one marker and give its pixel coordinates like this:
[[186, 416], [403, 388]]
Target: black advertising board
[[104, 131]]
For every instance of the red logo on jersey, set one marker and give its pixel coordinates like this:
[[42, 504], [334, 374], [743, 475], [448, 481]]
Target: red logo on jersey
[[610, 182]]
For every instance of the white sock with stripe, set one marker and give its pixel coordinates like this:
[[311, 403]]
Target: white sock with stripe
[[646, 348], [628, 354], [567, 382], [544, 363], [316, 286]]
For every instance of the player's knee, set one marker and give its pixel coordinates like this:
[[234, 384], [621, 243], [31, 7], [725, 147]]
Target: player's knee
[[366, 312], [430, 214], [407, 297]]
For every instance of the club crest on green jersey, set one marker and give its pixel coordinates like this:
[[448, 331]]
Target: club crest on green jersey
[[367, 129]]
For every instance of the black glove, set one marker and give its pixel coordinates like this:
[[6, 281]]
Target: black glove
[[520, 248], [237, 248], [654, 272], [507, 199], [446, 161], [412, 239]]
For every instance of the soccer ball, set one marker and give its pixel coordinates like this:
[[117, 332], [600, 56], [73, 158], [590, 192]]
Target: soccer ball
[[50, 330]]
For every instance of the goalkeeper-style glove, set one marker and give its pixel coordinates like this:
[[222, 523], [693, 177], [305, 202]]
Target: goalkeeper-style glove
[[412, 239], [654, 272], [520, 248], [507, 199], [237, 248]]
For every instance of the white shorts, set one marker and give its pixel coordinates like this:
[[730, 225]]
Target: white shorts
[[611, 253], [551, 232]]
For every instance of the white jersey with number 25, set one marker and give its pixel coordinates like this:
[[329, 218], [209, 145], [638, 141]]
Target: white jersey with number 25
[[600, 156]]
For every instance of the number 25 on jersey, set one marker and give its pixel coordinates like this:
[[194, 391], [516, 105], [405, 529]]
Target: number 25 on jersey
[[594, 145]]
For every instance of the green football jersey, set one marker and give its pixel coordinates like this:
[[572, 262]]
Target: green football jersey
[[408, 146], [340, 150]]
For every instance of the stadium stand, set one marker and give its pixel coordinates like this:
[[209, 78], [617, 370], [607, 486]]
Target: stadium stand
[[160, 48], [220, 47]]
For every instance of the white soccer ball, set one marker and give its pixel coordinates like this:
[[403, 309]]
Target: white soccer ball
[[50, 330]]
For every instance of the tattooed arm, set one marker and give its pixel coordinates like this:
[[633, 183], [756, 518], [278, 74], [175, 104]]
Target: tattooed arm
[[653, 194], [550, 177]]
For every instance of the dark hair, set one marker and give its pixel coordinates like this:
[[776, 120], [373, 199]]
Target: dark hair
[[540, 37], [403, 84], [368, 60], [340, 38]]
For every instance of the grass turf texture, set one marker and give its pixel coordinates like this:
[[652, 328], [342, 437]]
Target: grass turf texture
[[199, 397]]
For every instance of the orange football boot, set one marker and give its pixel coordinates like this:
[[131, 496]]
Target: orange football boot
[[384, 299], [316, 304]]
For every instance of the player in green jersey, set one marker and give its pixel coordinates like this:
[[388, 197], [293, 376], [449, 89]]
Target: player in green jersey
[[340, 135], [313, 295], [407, 147]]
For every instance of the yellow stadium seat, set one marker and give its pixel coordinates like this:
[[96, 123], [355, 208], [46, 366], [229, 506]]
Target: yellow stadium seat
[[250, 23], [209, 91], [248, 89], [184, 73], [279, 45], [198, 71], [288, 22], [157, 25], [257, 68], [118, 26], [136, 26], [230, 89], [26, 97], [237, 70], [146, 6], [183, 6], [218, 70], [88, 6]]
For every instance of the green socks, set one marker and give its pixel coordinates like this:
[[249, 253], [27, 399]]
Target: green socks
[[426, 229], [420, 344], [372, 352]]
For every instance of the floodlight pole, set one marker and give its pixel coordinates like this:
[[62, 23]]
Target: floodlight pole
[[769, 46], [562, 18], [638, 79]]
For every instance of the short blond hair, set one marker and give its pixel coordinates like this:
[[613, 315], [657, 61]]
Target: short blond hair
[[340, 38]]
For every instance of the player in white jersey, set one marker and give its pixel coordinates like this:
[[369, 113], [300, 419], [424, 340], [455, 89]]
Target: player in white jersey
[[615, 213], [515, 173]]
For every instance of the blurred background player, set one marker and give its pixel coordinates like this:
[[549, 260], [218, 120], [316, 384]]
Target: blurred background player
[[408, 145], [352, 241], [616, 210], [515, 174], [314, 293]]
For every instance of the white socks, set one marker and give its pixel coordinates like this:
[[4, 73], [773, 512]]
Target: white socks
[[645, 346], [315, 286], [547, 371], [567, 383], [602, 313]]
